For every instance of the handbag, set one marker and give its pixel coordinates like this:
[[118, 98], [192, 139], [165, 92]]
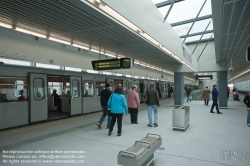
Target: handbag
[[108, 110]]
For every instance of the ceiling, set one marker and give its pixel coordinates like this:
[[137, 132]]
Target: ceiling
[[232, 33], [81, 23]]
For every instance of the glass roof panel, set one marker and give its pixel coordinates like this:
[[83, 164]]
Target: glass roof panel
[[200, 26], [207, 36], [185, 10], [193, 38], [182, 29]]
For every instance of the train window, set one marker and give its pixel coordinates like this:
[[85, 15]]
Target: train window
[[13, 89], [38, 84], [75, 88], [55, 85], [88, 89], [99, 87], [130, 85]]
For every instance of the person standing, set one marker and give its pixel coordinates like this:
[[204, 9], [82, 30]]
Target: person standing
[[188, 91], [206, 95], [133, 104], [104, 97], [171, 91], [247, 102], [228, 92], [215, 98], [117, 104], [152, 103]]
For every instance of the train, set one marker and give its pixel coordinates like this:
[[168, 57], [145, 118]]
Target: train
[[26, 93]]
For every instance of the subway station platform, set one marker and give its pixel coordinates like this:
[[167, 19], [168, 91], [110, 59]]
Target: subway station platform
[[210, 140]]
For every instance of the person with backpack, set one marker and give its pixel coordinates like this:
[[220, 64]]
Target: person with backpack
[[247, 102]]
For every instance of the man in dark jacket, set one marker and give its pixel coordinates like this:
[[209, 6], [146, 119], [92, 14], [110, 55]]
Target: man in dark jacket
[[152, 102], [247, 102], [215, 98], [105, 94], [188, 91]]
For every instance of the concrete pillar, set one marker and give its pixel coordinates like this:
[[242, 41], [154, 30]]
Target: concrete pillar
[[222, 88], [178, 89]]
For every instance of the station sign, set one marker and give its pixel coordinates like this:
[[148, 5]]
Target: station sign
[[109, 64], [204, 77]]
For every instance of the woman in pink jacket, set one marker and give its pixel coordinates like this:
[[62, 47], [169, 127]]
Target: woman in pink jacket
[[133, 104]]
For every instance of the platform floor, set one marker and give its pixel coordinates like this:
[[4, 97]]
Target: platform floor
[[209, 138]]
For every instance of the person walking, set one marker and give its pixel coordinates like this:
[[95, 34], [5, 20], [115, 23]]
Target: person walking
[[247, 102], [188, 91], [215, 98], [133, 104], [104, 97], [117, 104], [152, 103], [206, 95]]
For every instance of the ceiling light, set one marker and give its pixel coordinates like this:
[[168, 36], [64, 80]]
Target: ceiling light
[[58, 40], [93, 50], [30, 32], [5, 25], [109, 55], [79, 46]]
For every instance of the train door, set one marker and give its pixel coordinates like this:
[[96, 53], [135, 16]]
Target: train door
[[38, 97], [76, 95]]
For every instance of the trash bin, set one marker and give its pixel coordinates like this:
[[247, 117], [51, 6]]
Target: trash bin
[[180, 118]]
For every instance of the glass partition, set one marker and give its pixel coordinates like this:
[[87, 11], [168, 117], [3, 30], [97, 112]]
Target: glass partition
[[88, 89]]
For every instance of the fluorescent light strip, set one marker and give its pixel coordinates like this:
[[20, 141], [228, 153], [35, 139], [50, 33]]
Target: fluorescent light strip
[[59, 41], [5, 25], [30, 32], [79, 46]]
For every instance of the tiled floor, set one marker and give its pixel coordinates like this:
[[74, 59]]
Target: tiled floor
[[209, 138]]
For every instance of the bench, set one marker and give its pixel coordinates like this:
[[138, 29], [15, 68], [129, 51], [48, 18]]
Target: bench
[[141, 153]]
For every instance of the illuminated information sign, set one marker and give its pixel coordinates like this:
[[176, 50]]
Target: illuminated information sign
[[108, 64], [204, 77]]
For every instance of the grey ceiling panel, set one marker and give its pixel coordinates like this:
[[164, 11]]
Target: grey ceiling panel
[[223, 42], [245, 18], [236, 16], [226, 17], [237, 39], [229, 40]]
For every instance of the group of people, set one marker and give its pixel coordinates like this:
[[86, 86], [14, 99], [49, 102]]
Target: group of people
[[118, 106], [3, 97]]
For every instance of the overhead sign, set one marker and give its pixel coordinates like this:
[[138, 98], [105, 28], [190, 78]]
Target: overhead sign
[[108, 64], [186, 55], [204, 77]]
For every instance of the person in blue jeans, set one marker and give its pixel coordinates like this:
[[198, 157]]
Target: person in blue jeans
[[104, 97], [152, 101], [247, 102]]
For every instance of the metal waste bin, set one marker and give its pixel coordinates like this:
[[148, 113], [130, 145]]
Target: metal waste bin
[[180, 118]]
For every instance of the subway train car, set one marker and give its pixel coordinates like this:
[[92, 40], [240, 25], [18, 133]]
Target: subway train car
[[27, 95]]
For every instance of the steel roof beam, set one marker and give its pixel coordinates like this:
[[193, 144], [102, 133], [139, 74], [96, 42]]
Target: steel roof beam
[[205, 47], [196, 41], [169, 10], [166, 3], [196, 34], [191, 20]]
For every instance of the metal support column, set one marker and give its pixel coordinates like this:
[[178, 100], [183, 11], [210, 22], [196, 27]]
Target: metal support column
[[195, 20], [178, 89], [222, 87]]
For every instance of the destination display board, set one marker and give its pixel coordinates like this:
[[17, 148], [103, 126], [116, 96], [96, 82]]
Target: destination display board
[[204, 77], [108, 64]]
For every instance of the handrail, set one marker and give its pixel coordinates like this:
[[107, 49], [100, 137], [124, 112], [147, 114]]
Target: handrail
[[128, 153], [153, 134], [143, 142]]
